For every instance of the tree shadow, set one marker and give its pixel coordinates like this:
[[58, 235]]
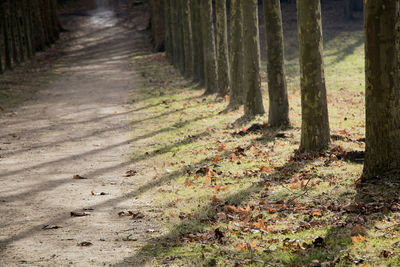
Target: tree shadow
[[206, 216]]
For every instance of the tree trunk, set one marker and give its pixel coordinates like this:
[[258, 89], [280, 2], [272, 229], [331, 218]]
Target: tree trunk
[[21, 46], [168, 34], [315, 123], [187, 38], [210, 59], [252, 79], [237, 94], [382, 152], [13, 30], [278, 97], [157, 24], [222, 52], [6, 36], [198, 50], [348, 9]]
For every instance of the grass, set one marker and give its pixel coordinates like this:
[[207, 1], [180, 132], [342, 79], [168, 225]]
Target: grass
[[263, 203]]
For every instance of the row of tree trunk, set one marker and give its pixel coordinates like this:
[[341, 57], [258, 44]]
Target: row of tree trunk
[[191, 47], [26, 26]]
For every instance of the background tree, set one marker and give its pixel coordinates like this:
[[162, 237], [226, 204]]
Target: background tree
[[187, 37], [382, 87], [210, 59], [315, 134], [278, 97], [252, 79], [237, 94], [198, 57], [222, 48]]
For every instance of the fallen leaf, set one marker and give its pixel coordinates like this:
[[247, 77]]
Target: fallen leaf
[[216, 158], [79, 214], [253, 245], [85, 244], [358, 238], [130, 173], [188, 182], [215, 200], [98, 194], [240, 247], [78, 177], [316, 213], [50, 227], [232, 208]]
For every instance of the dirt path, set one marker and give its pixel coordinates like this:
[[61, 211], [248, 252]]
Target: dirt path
[[79, 124]]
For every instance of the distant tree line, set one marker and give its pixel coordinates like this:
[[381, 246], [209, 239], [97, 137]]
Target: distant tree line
[[26, 26]]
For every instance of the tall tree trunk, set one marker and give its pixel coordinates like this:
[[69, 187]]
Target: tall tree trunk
[[278, 97], [237, 94], [210, 59], [382, 87], [198, 50], [315, 123], [27, 32], [157, 24], [21, 46], [6, 35], [222, 51], [174, 32], [168, 34], [348, 9], [252, 79], [13, 30], [187, 38], [180, 37]]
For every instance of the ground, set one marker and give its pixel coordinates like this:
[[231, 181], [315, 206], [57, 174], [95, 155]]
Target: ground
[[183, 183], [79, 123]]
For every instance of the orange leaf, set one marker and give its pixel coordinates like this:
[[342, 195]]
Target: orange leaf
[[253, 245], [248, 207], [234, 157], [226, 98], [207, 181], [171, 214], [240, 247], [253, 149], [217, 188], [232, 208], [357, 239], [271, 210], [210, 105], [188, 182], [216, 158], [316, 213]]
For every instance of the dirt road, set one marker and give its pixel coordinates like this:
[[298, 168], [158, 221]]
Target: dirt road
[[79, 124]]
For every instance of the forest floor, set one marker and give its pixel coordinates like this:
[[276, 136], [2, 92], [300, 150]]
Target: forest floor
[[176, 182]]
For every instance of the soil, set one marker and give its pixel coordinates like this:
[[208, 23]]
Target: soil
[[78, 125]]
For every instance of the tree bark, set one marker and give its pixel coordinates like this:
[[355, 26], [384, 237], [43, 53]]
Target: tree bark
[[222, 51], [252, 79], [210, 59], [237, 94], [315, 123], [382, 96], [278, 97], [6, 36], [187, 38], [198, 50], [168, 34]]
